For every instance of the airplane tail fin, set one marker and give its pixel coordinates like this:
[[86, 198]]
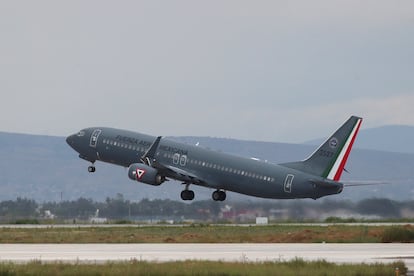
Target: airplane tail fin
[[328, 161]]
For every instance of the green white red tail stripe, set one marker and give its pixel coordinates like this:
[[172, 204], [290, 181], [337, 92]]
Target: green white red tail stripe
[[339, 164]]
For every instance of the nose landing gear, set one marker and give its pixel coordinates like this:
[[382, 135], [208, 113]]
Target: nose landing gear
[[91, 168]]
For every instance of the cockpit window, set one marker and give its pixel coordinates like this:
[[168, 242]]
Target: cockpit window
[[81, 133]]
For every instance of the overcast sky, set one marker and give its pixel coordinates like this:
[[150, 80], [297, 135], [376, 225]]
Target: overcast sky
[[285, 71]]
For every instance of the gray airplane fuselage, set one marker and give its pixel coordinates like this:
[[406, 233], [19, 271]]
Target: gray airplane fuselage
[[196, 165]]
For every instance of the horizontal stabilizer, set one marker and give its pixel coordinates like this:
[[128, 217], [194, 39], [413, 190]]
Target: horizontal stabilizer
[[364, 183], [326, 183]]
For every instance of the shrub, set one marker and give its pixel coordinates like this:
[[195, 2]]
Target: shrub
[[339, 220], [398, 234], [27, 221]]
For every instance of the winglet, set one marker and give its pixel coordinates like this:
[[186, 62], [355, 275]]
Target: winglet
[[149, 155]]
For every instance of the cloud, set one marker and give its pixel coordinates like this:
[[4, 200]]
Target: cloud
[[396, 109], [266, 70], [315, 121]]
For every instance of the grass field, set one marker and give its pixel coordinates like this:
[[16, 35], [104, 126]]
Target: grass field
[[206, 234], [295, 267], [210, 234]]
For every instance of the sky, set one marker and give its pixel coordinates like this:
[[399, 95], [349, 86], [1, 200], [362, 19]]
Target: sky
[[283, 71]]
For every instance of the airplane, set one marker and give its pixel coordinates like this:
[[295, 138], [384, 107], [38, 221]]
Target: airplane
[[154, 160]]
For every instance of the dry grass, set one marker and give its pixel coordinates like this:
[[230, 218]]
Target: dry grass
[[196, 234], [295, 267]]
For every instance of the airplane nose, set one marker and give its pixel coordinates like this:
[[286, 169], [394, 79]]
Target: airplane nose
[[69, 140]]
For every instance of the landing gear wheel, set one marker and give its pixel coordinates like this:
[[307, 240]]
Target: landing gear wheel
[[219, 195], [91, 169], [187, 195]]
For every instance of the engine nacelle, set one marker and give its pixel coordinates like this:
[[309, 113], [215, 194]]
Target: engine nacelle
[[145, 174]]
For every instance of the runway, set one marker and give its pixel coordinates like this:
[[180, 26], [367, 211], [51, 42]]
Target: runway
[[244, 252]]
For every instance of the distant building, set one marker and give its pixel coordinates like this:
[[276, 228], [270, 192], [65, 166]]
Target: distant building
[[97, 219]]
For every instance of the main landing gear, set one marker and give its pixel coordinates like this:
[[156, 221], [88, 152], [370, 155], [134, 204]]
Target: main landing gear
[[219, 195], [187, 195]]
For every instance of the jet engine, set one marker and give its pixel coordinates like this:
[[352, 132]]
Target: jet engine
[[145, 174]]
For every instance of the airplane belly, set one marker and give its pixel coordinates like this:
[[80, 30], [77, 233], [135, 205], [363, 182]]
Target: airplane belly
[[279, 188]]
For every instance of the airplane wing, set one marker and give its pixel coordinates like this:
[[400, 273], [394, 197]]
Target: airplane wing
[[170, 171], [149, 156], [183, 175]]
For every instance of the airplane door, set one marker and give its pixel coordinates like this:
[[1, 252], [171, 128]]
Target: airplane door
[[288, 183], [94, 138]]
